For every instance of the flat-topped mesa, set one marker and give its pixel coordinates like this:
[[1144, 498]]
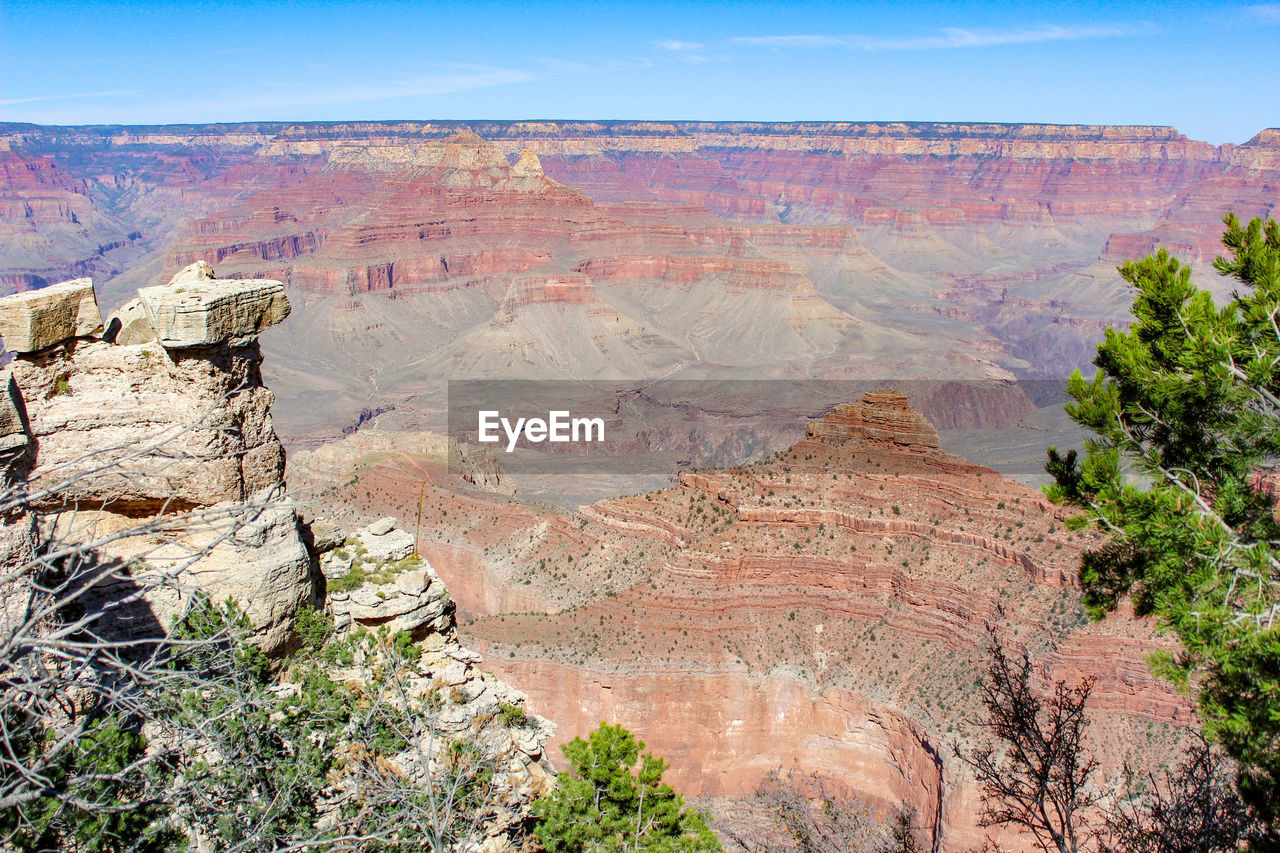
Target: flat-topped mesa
[[882, 417]]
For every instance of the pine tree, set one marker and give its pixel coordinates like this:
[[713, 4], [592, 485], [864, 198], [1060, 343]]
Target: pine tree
[[605, 803], [1189, 397]]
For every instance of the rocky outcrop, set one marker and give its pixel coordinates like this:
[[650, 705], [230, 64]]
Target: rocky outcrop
[[376, 583], [375, 579], [882, 416], [118, 435], [528, 165], [383, 541], [154, 466], [415, 600], [201, 419], [197, 310], [250, 551], [38, 319]]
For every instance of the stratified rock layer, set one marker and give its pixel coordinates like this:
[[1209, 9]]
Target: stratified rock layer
[[826, 608], [123, 435], [418, 250], [883, 416], [203, 421], [197, 310], [39, 319]]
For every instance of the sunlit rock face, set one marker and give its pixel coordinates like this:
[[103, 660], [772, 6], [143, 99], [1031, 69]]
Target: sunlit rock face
[[413, 251], [829, 609], [824, 608], [113, 437]]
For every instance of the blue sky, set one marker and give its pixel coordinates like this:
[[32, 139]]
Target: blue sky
[[1206, 68]]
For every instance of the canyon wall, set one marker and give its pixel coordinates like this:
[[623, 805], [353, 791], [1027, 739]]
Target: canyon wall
[[418, 250], [829, 608], [826, 608]]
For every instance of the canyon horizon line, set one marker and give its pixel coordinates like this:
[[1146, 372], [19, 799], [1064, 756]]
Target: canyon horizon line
[[831, 125]]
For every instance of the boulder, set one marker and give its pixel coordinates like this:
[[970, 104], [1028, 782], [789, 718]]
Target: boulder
[[382, 541], [38, 319], [334, 566], [325, 535], [13, 414], [196, 309], [130, 325], [199, 271], [413, 601], [262, 563]]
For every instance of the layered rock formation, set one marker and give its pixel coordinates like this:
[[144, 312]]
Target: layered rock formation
[[147, 474], [882, 417], [117, 438], [827, 608], [195, 309], [39, 319], [416, 250]]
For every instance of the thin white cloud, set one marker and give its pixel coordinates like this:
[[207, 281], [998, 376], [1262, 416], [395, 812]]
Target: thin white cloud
[[949, 37], [281, 98], [447, 80], [952, 37], [278, 100], [677, 45], [8, 101], [789, 41]]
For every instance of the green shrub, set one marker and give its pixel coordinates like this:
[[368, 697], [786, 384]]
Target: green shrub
[[606, 803], [314, 628], [513, 716]]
